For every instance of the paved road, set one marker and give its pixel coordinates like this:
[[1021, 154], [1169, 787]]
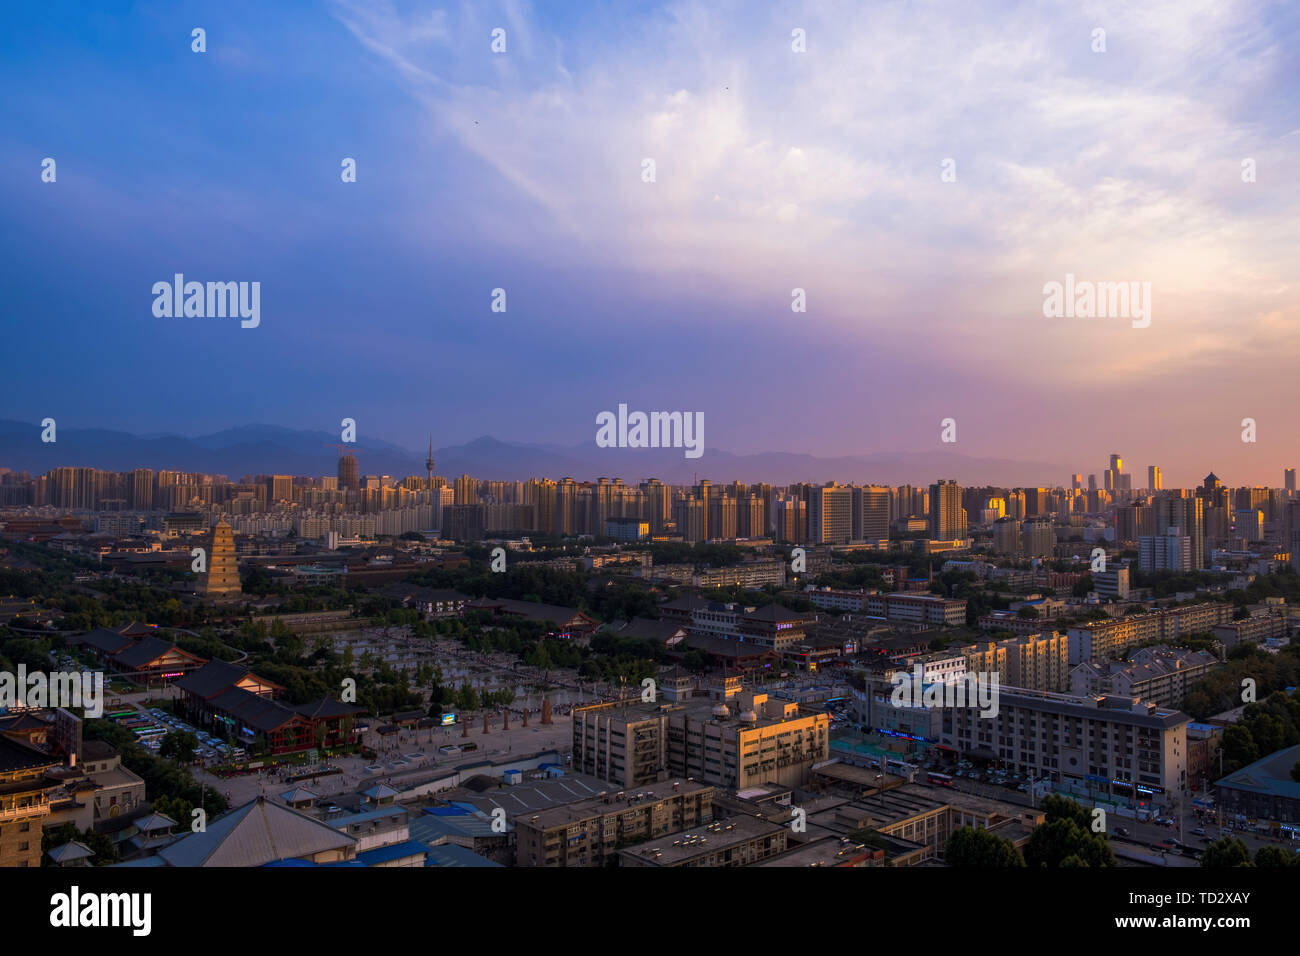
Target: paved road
[[1138, 832]]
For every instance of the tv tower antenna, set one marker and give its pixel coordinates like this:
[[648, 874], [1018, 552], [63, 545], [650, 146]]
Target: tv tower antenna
[[428, 463]]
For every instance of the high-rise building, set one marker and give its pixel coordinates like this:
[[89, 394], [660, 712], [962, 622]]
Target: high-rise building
[[140, 490], [1171, 551], [703, 492], [750, 517], [830, 514], [1133, 521], [1118, 483], [791, 519], [658, 503], [870, 513], [1037, 538], [465, 522], [466, 490], [1006, 536], [722, 515], [1288, 480], [349, 473], [1249, 524], [1015, 505], [279, 488], [690, 514], [947, 517], [1154, 481], [540, 493], [1035, 501], [1190, 515], [566, 507], [1076, 482]]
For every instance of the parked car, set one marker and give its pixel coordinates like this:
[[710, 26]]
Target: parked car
[[1199, 831]]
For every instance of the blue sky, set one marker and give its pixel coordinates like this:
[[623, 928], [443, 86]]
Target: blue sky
[[774, 170]]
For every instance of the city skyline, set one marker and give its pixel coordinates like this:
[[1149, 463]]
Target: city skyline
[[624, 463]]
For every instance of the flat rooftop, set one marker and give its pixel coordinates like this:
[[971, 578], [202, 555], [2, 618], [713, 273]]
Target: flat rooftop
[[607, 800], [634, 709], [902, 803], [828, 851], [863, 777], [673, 849]]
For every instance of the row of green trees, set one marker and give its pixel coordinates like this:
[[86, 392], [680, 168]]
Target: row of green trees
[[1232, 851], [1265, 727], [1222, 688], [162, 777], [1064, 839]]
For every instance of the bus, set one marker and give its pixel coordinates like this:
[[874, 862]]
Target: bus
[[119, 714], [938, 779]]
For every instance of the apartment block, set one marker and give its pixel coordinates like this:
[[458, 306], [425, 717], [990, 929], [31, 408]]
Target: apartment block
[[1117, 747], [747, 574], [1112, 585], [632, 744], [1251, 630], [1038, 661], [1158, 675], [589, 832], [830, 514], [918, 608], [1111, 639]]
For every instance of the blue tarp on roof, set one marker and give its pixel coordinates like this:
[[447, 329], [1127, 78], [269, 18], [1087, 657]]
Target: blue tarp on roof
[[396, 851]]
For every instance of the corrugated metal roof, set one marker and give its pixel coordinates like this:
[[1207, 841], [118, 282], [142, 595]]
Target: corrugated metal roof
[[394, 851], [452, 855], [254, 834]]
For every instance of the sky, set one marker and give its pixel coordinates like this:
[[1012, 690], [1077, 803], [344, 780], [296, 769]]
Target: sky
[[774, 170]]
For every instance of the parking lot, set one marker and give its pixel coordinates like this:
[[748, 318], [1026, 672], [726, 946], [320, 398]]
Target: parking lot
[[151, 725]]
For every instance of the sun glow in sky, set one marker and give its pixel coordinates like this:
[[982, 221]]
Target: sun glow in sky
[[774, 170]]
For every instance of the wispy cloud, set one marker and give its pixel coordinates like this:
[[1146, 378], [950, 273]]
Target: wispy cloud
[[822, 169]]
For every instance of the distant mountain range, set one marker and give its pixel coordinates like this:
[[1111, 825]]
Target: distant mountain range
[[269, 449]]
